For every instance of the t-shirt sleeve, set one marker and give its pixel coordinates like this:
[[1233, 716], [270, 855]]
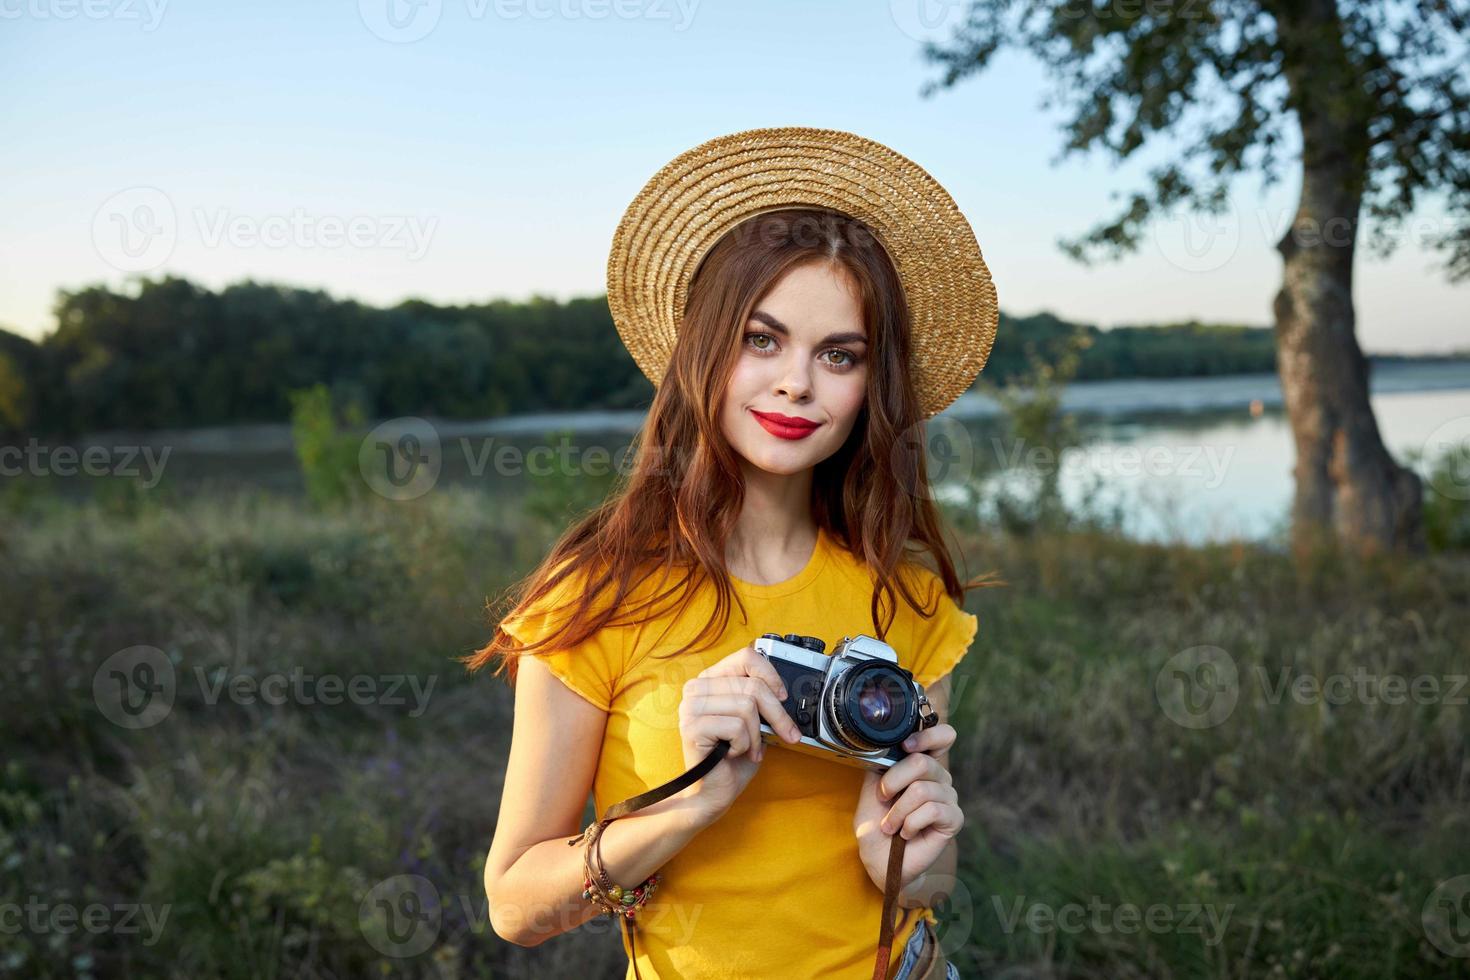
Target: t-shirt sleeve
[[942, 639], [591, 668]]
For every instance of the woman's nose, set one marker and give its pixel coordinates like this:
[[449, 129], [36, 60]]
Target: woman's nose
[[793, 376], [795, 385]]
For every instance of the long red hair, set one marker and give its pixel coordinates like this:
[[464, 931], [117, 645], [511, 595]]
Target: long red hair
[[672, 512]]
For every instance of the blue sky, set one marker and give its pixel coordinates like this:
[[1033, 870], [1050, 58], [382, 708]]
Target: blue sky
[[460, 150]]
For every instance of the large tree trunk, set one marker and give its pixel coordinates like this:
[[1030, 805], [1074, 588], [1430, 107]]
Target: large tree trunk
[[1348, 487]]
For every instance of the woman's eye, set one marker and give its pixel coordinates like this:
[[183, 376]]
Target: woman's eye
[[764, 342], [848, 359]]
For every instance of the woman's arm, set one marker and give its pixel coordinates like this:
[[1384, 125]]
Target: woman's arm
[[533, 880]]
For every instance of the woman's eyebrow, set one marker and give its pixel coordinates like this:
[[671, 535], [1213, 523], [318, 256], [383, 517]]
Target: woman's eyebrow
[[781, 328]]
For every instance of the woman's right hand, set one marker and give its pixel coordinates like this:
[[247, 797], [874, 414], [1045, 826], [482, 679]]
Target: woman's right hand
[[727, 700]]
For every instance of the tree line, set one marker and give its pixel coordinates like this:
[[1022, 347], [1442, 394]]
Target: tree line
[[165, 353]]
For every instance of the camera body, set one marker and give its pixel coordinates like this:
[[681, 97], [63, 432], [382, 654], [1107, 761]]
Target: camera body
[[855, 706]]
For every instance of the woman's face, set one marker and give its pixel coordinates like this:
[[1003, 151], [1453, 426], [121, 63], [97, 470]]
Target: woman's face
[[803, 354]]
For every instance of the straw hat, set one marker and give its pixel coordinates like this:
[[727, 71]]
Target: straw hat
[[704, 192]]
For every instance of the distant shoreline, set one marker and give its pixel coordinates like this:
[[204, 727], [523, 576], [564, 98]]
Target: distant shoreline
[[1124, 396]]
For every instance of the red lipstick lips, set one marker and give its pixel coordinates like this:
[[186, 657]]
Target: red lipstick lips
[[785, 426]]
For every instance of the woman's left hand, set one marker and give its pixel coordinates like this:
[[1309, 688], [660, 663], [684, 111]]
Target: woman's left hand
[[914, 797]]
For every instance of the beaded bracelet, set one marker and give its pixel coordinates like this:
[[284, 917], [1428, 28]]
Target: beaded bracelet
[[599, 889]]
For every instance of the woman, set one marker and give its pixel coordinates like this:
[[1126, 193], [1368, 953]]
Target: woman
[[800, 325]]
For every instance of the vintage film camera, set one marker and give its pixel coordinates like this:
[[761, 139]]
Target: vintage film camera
[[855, 706]]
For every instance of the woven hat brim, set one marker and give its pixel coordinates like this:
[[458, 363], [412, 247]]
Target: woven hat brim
[[704, 192]]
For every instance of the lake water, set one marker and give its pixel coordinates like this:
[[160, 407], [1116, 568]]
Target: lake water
[[1229, 474], [1191, 459], [1211, 459]]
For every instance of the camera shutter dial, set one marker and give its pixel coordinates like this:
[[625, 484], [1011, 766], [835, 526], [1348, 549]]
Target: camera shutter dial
[[812, 643]]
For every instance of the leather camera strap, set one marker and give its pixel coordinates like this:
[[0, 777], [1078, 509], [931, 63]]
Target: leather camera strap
[[689, 777]]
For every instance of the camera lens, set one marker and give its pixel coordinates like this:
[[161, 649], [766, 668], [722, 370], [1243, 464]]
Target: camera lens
[[872, 706]]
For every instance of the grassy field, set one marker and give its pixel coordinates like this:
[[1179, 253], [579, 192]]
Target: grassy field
[[250, 819]]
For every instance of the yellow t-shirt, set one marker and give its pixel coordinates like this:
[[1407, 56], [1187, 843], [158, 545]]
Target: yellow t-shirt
[[775, 887]]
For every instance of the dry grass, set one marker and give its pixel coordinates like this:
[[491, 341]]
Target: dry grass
[[1321, 829]]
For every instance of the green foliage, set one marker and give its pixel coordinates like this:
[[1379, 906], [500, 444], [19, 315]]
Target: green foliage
[[1312, 72], [22, 377], [260, 826], [1323, 827], [314, 895], [168, 353], [15, 396], [1032, 404], [21, 497], [559, 493], [1027, 498], [1446, 497], [1187, 349], [263, 827], [1322, 896], [328, 457]]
